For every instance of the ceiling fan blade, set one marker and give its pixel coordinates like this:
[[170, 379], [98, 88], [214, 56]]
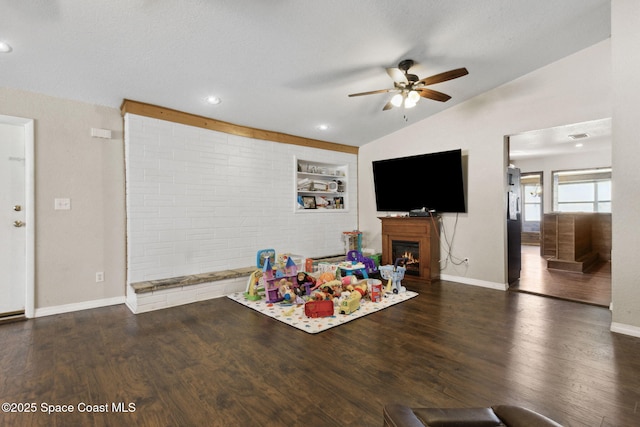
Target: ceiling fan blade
[[433, 94], [397, 75], [372, 92], [387, 106], [443, 77]]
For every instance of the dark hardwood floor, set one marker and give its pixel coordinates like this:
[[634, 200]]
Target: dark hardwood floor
[[217, 363], [591, 287]]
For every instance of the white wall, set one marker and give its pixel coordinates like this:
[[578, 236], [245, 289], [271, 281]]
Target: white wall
[[201, 201], [625, 15], [71, 246], [572, 90]]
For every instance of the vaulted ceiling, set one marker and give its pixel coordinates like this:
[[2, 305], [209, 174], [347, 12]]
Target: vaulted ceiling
[[285, 65]]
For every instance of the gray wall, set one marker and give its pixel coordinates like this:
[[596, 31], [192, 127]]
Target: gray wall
[[71, 246], [574, 89], [626, 160]]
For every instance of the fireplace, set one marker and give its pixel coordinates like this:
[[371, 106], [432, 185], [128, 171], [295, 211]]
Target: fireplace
[[414, 238], [410, 251]]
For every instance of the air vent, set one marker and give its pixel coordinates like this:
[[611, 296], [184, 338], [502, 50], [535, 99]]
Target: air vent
[[579, 135]]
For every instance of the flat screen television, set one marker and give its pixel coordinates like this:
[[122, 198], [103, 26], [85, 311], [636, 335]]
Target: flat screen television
[[431, 181]]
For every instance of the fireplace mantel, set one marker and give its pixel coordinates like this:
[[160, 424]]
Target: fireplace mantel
[[414, 229]]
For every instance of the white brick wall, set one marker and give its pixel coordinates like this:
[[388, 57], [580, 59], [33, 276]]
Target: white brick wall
[[200, 200]]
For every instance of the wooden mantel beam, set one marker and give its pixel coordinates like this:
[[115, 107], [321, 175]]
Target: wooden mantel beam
[[157, 112]]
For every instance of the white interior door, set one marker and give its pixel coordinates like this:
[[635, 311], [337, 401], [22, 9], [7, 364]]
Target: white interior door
[[13, 251]]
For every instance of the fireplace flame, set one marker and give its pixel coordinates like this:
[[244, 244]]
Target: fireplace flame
[[410, 259]]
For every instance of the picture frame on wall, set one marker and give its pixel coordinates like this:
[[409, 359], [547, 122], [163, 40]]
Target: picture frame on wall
[[309, 202]]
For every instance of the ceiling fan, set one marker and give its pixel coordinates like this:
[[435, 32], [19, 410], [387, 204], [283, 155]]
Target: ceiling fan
[[410, 88]]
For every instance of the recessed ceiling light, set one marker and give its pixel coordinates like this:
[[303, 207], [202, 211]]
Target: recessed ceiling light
[[213, 100], [5, 47], [322, 127], [579, 144]]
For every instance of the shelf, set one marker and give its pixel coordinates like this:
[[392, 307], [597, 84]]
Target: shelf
[[320, 175], [321, 193], [321, 210], [320, 182]]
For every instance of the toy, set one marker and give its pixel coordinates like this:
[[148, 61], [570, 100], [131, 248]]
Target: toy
[[321, 296], [361, 288], [289, 312], [305, 278], [318, 309], [332, 288], [325, 291], [306, 282], [352, 267], [352, 240], [336, 287], [368, 263], [272, 278], [263, 255], [394, 274], [286, 291], [349, 302], [327, 276], [374, 287], [255, 280], [349, 280]]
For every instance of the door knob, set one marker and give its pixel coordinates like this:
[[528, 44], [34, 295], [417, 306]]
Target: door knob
[[18, 223]]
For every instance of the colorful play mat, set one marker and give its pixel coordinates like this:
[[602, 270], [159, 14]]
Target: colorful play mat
[[294, 315]]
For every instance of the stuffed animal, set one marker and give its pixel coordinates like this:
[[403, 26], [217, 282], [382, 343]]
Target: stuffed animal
[[321, 296], [361, 288], [286, 291], [349, 280], [327, 276], [328, 289], [305, 278]]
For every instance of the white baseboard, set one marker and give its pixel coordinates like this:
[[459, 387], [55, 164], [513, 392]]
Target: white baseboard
[[67, 308], [622, 328], [475, 282]]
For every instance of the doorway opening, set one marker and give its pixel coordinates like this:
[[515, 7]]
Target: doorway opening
[[538, 154]]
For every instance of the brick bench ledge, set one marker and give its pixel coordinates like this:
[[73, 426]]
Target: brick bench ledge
[[192, 279]]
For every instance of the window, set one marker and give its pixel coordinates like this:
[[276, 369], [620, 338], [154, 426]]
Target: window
[[585, 190], [532, 201]]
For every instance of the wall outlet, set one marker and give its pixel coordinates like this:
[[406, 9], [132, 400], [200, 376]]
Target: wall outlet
[[99, 276]]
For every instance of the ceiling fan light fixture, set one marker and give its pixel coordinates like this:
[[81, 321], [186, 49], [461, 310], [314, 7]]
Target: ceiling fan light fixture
[[413, 97], [409, 88], [397, 99], [409, 103]]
